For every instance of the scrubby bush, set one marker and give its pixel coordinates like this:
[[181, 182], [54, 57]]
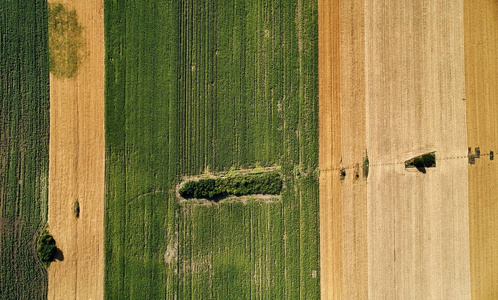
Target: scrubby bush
[[269, 183], [418, 162], [429, 160], [366, 166], [46, 248]]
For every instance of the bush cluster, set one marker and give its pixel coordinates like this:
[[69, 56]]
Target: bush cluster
[[429, 160], [46, 248], [425, 161], [269, 183]]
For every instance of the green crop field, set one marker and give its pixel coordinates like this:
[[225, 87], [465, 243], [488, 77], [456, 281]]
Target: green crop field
[[216, 85], [24, 128]]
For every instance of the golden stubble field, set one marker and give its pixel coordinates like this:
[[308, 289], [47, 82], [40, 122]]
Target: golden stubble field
[[77, 158], [392, 80], [481, 62], [343, 210]]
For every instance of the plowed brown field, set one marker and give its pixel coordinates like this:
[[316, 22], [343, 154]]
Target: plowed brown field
[[77, 165], [481, 62]]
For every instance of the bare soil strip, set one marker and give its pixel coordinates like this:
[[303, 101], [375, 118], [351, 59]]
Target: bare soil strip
[[481, 66], [418, 244], [77, 156]]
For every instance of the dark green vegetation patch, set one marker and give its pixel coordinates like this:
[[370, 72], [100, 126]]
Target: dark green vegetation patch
[[46, 249], [216, 188], [210, 85], [65, 40], [427, 160], [24, 128]]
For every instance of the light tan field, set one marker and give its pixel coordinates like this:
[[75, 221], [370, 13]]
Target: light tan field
[[418, 242], [399, 92], [77, 156], [481, 62]]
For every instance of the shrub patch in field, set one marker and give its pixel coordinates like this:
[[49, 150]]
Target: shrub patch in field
[[46, 248], [240, 185], [427, 160]]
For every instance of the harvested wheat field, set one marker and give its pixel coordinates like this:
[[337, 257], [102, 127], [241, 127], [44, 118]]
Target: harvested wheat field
[[417, 223], [388, 231], [481, 62], [76, 171], [331, 238], [343, 212]]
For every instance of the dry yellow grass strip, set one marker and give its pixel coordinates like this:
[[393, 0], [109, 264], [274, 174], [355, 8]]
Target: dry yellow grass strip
[[418, 245], [343, 212], [481, 62], [353, 150], [77, 159], [329, 149]]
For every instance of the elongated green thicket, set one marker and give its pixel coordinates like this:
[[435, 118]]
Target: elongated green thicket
[[214, 188]]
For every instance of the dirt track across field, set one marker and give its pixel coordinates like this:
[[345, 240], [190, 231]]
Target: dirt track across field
[[481, 57], [392, 81], [77, 156]]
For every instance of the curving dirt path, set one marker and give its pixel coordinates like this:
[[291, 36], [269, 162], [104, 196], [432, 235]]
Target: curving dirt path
[[77, 158]]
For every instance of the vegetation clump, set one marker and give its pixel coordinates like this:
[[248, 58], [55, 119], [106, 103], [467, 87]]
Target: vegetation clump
[[366, 166], [65, 41], [215, 188], [77, 209], [46, 248], [427, 160], [343, 173]]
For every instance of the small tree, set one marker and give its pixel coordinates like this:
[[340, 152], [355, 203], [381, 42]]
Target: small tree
[[418, 162], [429, 160], [46, 248]]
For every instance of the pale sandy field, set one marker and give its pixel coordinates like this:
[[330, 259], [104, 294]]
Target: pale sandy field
[[77, 156], [481, 62], [405, 234], [418, 232]]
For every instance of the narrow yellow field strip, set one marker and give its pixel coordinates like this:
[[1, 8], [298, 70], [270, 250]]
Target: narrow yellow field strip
[[77, 149], [481, 77]]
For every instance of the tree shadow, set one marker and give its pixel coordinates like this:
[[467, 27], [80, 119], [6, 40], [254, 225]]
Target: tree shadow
[[421, 169], [59, 255]]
